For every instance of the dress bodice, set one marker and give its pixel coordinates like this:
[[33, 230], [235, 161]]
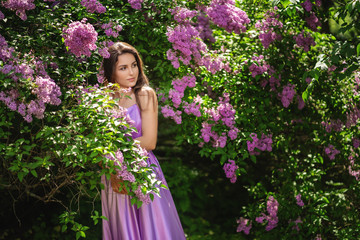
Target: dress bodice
[[134, 113]]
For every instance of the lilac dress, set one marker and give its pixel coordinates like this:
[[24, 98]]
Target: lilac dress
[[157, 220]]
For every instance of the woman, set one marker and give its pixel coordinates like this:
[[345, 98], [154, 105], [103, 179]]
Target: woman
[[157, 220]]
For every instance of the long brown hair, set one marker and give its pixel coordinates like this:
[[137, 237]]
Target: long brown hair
[[109, 64]]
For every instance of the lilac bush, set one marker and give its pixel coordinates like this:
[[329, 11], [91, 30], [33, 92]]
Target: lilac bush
[[265, 91]]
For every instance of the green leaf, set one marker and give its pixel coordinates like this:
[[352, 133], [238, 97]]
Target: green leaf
[[358, 49], [34, 173]]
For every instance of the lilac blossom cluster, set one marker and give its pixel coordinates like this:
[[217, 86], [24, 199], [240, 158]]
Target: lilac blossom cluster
[[352, 117], [145, 198], [43, 87], [176, 94], [179, 86], [169, 112], [273, 81], [203, 26], [331, 151], [287, 95], [194, 107], [307, 5], [258, 66], [304, 40], [136, 4], [224, 113], [352, 172], [20, 6], [299, 201], [267, 28], [333, 125], [225, 14], [93, 6], [296, 224], [244, 225], [263, 144], [183, 15], [112, 29], [356, 142], [186, 44], [272, 209], [103, 51], [121, 171], [80, 38], [313, 22], [230, 170]]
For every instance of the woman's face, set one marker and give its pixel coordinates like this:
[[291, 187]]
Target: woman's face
[[126, 71]]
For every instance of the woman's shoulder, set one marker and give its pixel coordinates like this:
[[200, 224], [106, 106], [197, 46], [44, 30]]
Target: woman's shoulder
[[147, 92], [147, 98]]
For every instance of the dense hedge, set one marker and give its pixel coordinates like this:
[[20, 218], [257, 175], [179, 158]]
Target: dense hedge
[[266, 90]]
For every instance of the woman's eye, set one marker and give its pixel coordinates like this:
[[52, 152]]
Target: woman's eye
[[135, 65]]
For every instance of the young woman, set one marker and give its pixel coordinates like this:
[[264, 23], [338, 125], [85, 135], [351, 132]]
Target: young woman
[[159, 219]]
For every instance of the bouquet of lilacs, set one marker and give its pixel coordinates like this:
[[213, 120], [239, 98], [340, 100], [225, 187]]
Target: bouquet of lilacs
[[123, 160]]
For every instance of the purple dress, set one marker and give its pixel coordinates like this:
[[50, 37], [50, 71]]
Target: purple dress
[[157, 220]]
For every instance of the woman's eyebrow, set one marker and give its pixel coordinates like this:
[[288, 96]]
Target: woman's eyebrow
[[126, 64]]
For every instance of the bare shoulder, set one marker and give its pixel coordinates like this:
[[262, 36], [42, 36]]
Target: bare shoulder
[[147, 92], [147, 98]]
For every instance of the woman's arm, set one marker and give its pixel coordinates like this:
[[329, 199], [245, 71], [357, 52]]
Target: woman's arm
[[149, 118]]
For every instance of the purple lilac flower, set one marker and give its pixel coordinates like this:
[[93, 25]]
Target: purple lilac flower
[[313, 22], [287, 94], [230, 170], [135, 4], [2, 16], [304, 40], [233, 133], [20, 6], [331, 151], [297, 222], [307, 5], [80, 38], [145, 198], [226, 15], [272, 209], [186, 41], [266, 28], [93, 6], [244, 225], [352, 117], [259, 66], [5, 50], [263, 144], [299, 201], [203, 26], [301, 103], [183, 15], [352, 172], [333, 125], [168, 111], [176, 97], [192, 108], [47, 91], [356, 142]]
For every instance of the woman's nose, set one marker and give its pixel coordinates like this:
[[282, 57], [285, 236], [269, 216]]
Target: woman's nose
[[131, 71]]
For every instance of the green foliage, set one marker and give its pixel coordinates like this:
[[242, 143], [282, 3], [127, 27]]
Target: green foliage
[[56, 158]]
